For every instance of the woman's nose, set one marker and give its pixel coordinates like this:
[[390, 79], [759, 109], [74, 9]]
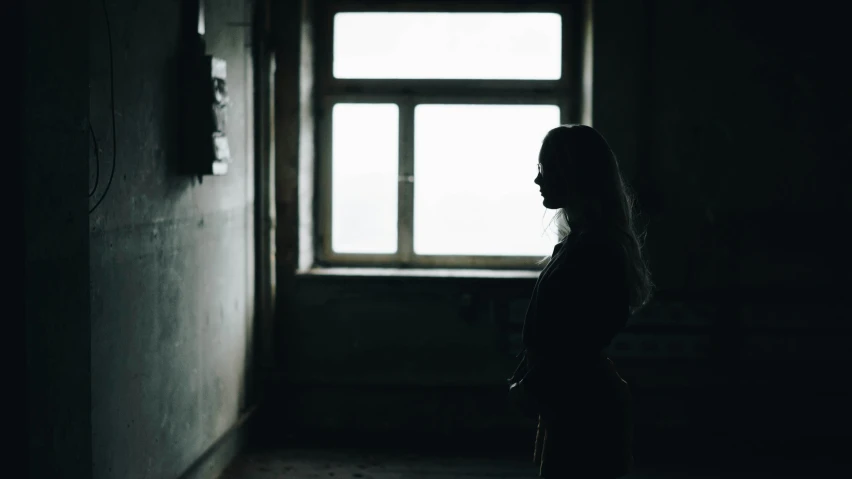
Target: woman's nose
[[537, 180]]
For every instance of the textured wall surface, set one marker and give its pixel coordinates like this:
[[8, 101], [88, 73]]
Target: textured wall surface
[[172, 258]]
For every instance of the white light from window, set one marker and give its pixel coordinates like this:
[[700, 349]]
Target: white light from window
[[364, 165], [525, 46], [474, 167]]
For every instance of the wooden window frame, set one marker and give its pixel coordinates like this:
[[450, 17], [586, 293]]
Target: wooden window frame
[[407, 94]]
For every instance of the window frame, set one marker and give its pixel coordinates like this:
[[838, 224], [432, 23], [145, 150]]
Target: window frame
[[407, 94]]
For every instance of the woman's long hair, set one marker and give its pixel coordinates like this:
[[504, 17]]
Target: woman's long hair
[[599, 195]]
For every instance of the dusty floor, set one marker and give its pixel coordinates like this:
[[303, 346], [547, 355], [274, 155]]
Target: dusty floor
[[304, 463]]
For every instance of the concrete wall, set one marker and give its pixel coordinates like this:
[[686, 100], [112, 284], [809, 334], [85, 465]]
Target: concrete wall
[[56, 277], [728, 120], [172, 258]]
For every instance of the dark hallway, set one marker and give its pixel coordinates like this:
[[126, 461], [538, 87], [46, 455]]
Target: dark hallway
[[229, 272]]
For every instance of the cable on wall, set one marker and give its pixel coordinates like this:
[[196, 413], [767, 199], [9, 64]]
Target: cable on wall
[[112, 107], [97, 160]]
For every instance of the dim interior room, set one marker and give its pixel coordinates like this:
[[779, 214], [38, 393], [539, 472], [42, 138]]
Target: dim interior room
[[336, 284]]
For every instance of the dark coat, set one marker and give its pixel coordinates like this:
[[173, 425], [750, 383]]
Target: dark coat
[[579, 303]]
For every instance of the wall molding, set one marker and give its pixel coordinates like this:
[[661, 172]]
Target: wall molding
[[212, 462]]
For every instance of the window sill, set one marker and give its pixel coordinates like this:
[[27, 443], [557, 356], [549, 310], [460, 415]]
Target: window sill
[[420, 273]]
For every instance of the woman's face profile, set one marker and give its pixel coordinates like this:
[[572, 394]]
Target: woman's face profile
[[550, 180]]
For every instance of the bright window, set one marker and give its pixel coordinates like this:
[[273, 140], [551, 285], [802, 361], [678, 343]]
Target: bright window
[[522, 46], [430, 126], [365, 161], [474, 192]]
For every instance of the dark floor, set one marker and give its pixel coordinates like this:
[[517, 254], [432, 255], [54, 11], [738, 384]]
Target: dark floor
[[340, 464]]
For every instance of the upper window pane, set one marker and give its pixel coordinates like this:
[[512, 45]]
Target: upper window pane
[[491, 46]]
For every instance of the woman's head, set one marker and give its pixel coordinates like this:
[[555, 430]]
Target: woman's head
[[578, 173], [579, 176]]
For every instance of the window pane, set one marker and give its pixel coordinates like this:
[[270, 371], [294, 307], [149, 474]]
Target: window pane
[[474, 170], [448, 45], [364, 165]]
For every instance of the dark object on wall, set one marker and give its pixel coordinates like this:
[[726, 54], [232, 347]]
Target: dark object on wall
[[204, 100]]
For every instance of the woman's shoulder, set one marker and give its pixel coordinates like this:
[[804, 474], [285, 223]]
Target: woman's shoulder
[[593, 252], [596, 242]]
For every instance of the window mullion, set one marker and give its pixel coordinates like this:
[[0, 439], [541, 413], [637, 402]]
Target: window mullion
[[405, 242]]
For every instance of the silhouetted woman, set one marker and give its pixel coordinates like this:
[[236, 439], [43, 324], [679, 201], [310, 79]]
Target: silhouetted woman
[[594, 280]]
